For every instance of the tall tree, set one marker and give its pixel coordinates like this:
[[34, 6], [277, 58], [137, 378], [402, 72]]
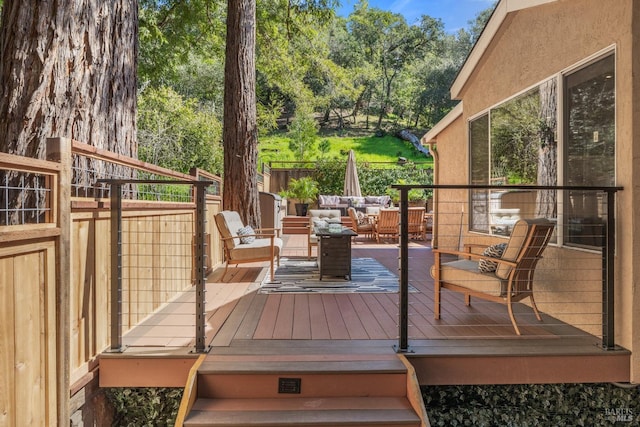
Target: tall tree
[[68, 69], [240, 132]]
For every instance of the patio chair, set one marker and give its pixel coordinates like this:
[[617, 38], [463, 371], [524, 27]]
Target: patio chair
[[505, 279], [240, 245], [386, 223], [320, 218], [417, 223], [361, 227]]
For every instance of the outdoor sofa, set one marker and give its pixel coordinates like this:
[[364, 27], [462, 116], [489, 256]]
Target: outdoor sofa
[[344, 202]]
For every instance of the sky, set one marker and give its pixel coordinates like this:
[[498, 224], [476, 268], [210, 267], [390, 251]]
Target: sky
[[454, 13]]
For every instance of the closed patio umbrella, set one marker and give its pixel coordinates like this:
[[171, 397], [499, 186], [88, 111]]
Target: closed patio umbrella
[[351, 182]]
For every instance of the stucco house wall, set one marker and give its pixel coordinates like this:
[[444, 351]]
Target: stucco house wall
[[525, 43]]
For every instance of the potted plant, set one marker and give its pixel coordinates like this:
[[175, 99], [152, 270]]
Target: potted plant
[[304, 190]]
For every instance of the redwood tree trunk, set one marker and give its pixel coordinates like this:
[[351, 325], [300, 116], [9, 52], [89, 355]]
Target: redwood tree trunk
[[548, 151], [240, 133], [68, 69]]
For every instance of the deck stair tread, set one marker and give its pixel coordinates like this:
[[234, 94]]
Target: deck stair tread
[[303, 412]]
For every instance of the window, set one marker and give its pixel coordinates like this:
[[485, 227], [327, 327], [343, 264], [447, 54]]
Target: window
[[516, 142], [589, 111]]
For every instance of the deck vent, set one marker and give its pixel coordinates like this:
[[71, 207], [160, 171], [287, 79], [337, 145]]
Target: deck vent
[[289, 385]]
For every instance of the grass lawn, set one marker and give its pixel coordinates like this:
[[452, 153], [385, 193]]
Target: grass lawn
[[388, 148]]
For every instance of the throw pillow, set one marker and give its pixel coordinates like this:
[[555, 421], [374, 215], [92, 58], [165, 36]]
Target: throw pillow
[[362, 218], [320, 223], [246, 233], [494, 251], [372, 200]]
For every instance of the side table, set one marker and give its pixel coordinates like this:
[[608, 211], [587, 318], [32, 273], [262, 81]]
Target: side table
[[334, 252]]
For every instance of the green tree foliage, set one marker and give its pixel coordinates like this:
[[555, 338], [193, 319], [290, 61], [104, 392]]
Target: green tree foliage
[[370, 62], [303, 134], [173, 31], [176, 133]]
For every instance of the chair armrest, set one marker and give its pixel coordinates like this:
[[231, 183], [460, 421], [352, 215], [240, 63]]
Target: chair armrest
[[470, 255], [260, 235], [262, 231]]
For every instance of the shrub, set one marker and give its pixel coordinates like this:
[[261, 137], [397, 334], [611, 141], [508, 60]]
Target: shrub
[[145, 406], [532, 405]]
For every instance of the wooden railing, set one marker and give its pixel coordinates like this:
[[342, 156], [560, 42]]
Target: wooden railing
[[55, 261]]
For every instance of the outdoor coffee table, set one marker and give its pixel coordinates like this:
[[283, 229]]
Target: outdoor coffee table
[[334, 252]]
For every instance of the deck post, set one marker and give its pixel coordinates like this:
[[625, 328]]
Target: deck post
[[59, 150], [403, 340], [608, 291], [200, 255], [116, 267]]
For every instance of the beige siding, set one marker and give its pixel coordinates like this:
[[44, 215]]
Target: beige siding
[[530, 46]]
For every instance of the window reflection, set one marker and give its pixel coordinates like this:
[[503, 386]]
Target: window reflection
[[590, 148], [515, 143]]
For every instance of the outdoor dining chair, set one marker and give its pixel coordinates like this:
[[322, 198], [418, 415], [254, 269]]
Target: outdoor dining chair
[[361, 227], [386, 224], [417, 223]]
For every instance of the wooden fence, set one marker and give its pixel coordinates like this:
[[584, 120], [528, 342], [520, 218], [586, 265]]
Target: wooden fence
[[55, 273]]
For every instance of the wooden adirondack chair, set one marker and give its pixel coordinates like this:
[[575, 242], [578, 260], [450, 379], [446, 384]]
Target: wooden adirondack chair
[[417, 223], [386, 224], [512, 279]]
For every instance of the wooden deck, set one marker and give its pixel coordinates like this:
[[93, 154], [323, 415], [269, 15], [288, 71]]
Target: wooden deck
[[464, 347]]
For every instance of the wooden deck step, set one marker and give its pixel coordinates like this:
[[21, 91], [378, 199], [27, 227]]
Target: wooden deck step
[[302, 390], [295, 225], [302, 412]]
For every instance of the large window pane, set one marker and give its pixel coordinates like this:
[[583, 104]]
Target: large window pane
[[589, 148], [515, 144], [515, 139]]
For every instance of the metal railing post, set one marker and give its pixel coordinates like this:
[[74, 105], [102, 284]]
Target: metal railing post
[[608, 270], [403, 340], [200, 267], [116, 267]]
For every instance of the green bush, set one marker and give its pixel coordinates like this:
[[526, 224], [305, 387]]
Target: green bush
[[148, 407], [532, 405], [330, 177]]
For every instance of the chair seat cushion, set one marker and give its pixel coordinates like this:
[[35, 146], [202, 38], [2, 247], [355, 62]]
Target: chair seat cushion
[[365, 227], [465, 273], [259, 248]]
